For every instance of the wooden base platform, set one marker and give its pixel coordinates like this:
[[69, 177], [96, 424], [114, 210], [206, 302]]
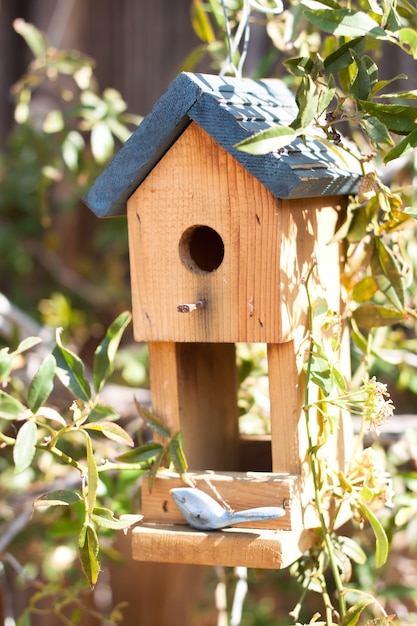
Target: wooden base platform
[[231, 547]]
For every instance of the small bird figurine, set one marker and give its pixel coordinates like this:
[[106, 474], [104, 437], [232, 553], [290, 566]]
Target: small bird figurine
[[204, 513]]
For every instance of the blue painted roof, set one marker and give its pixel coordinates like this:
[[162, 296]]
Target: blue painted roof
[[229, 110]]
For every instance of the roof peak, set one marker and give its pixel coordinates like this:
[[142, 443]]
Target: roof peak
[[229, 109]]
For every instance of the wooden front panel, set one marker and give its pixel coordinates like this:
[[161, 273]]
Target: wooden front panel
[[197, 183]]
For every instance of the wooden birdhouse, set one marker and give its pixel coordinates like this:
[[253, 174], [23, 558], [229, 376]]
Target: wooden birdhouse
[[220, 242]]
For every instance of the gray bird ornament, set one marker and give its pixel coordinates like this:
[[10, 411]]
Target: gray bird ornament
[[202, 512]]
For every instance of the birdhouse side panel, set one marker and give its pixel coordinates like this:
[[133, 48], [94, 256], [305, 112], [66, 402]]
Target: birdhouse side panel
[[204, 248]]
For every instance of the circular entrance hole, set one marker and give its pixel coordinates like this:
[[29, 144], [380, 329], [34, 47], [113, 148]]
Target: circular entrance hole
[[201, 249]]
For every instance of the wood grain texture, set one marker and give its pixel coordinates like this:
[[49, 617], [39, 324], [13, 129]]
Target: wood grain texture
[[194, 390], [272, 549], [199, 183]]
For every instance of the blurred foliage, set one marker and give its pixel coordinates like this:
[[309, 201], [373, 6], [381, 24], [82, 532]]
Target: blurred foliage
[[73, 461], [65, 133]]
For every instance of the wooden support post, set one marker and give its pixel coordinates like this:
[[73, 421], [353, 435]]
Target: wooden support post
[[285, 408], [194, 390]]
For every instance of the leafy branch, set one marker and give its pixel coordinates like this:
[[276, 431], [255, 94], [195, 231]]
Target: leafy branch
[[41, 429]]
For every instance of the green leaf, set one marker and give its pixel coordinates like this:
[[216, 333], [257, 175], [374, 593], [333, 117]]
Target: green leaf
[[326, 96], [25, 446], [382, 544], [342, 57], [141, 454], [354, 612], [364, 290], [92, 475], [398, 118], [102, 142], [6, 363], [72, 146], [307, 98], [377, 132], [345, 23], [152, 420], [105, 353], [111, 431], [407, 145], [102, 411], [32, 36], [60, 497], [88, 547], [70, 371], [105, 518], [376, 315], [200, 22], [408, 37], [177, 454], [54, 122], [10, 408], [352, 550], [366, 77], [268, 140], [27, 344], [42, 384], [387, 274], [24, 618]]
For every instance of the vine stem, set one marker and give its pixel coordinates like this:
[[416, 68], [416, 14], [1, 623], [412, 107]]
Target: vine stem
[[313, 460]]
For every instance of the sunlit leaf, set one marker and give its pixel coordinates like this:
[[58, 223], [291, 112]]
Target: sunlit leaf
[[142, 453], [365, 289], [382, 544], [54, 122], [105, 353], [60, 497], [102, 142], [42, 384], [102, 411], [343, 56], [376, 315], [25, 446], [387, 274], [6, 364], [352, 549], [200, 22], [345, 23], [33, 37], [88, 548], [268, 140], [111, 431], [48, 413], [106, 519], [72, 146], [377, 132], [354, 612], [398, 118], [408, 37], [27, 344], [152, 420], [404, 147], [307, 98], [92, 475], [70, 371], [10, 407], [177, 455]]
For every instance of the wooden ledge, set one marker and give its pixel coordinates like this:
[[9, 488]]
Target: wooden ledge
[[231, 547], [240, 490]]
